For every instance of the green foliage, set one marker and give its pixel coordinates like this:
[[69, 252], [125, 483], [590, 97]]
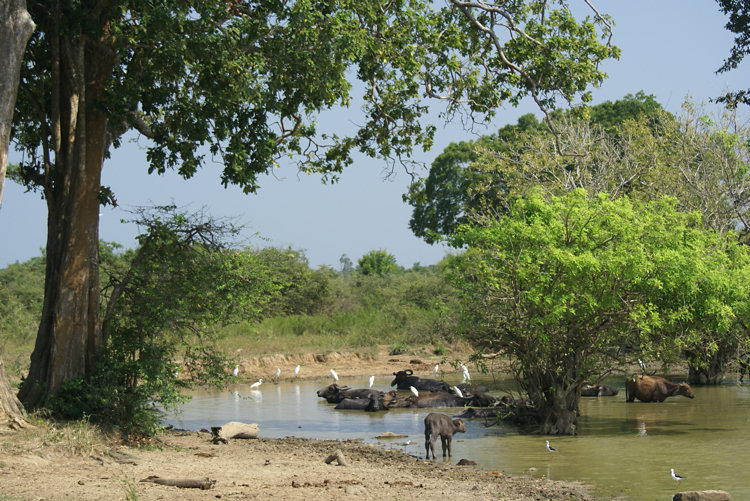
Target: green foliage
[[299, 290], [561, 286], [164, 301], [463, 180], [739, 24], [21, 293], [377, 262]]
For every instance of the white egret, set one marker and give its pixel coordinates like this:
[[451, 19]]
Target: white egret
[[236, 370], [414, 391], [435, 370], [334, 375], [296, 371], [277, 373], [257, 383], [550, 448], [372, 381], [457, 391]]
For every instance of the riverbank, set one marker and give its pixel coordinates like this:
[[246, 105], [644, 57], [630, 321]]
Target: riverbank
[[76, 461], [35, 466]]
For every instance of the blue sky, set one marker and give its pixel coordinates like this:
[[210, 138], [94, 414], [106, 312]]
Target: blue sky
[[670, 48]]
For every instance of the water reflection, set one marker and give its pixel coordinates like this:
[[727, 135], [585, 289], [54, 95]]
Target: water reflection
[[621, 448]]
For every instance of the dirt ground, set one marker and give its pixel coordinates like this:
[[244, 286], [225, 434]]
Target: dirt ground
[[37, 464]]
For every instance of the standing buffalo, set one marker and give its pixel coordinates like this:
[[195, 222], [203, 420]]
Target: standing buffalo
[[439, 424], [405, 379], [654, 389]]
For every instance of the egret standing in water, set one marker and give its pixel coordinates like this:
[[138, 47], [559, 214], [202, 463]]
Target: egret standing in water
[[236, 370], [372, 381], [334, 375], [414, 391], [257, 383], [467, 377], [550, 448], [435, 370], [277, 374], [296, 371]]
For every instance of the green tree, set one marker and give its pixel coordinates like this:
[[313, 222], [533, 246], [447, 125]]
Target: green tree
[[560, 287], [300, 290], [461, 183], [377, 262], [163, 302], [243, 81]]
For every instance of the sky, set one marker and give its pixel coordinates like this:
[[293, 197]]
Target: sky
[[670, 48]]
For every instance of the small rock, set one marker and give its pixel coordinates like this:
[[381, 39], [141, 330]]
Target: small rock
[[702, 496]]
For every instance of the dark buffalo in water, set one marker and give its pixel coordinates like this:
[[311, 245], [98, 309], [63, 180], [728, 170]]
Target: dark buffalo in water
[[334, 393], [439, 424], [440, 399], [404, 379], [598, 390], [654, 389], [373, 403]]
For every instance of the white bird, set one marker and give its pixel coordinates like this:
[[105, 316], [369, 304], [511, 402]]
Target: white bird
[[435, 370], [257, 383], [296, 371], [643, 366], [334, 375], [414, 391], [277, 373], [675, 476], [372, 381], [176, 374], [550, 448], [236, 370], [457, 391], [467, 377]]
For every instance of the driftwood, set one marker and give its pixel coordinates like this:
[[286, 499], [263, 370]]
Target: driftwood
[[184, 483], [337, 456], [233, 429]]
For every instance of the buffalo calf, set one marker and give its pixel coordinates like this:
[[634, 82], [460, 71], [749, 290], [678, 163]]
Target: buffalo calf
[[439, 424]]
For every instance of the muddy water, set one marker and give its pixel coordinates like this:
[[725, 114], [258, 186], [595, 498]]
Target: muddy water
[[621, 449]]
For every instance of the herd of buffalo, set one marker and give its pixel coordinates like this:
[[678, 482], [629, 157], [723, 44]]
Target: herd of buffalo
[[425, 393]]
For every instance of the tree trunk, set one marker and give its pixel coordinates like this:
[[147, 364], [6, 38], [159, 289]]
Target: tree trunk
[[560, 413], [16, 27], [714, 370], [69, 335]]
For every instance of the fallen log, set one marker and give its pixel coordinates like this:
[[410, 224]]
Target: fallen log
[[187, 483], [233, 429]]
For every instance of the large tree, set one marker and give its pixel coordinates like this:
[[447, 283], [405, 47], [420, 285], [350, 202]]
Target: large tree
[[560, 287], [242, 81], [16, 27]]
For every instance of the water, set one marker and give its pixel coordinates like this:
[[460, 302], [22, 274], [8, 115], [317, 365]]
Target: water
[[621, 449]]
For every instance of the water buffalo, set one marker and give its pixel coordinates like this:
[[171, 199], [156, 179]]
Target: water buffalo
[[654, 389], [439, 424], [334, 393], [405, 379], [598, 390], [375, 402]]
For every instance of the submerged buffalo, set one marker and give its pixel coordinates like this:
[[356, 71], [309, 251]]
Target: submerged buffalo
[[439, 424], [334, 393], [598, 390], [405, 379], [372, 403], [654, 389]]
